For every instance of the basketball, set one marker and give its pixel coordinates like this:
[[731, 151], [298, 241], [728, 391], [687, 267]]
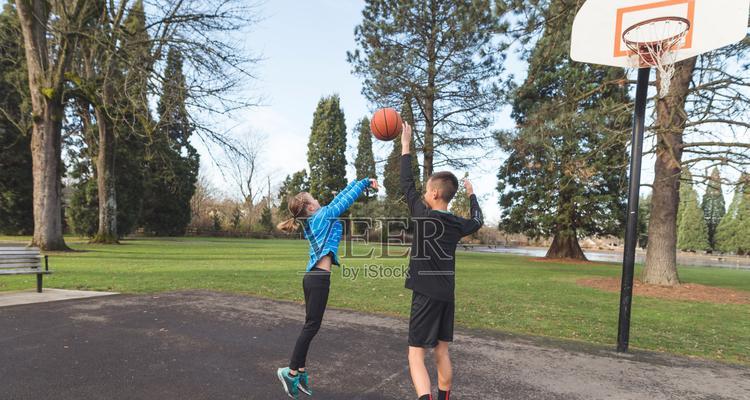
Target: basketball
[[386, 124]]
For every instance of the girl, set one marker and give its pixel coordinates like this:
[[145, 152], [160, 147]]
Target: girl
[[323, 231]]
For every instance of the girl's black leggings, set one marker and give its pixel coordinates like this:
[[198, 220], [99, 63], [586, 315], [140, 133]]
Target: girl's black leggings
[[316, 285]]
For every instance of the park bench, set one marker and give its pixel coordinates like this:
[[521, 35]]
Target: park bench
[[24, 261]]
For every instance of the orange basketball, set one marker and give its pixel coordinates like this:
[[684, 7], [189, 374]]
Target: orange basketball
[[386, 124]]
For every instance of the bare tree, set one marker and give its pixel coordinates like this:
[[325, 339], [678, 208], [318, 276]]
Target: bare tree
[[205, 194], [216, 69], [243, 165], [50, 44], [702, 123]]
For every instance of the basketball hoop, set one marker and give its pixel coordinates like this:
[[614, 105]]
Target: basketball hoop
[[653, 44]]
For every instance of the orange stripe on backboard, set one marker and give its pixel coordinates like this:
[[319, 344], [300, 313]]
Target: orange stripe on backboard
[[620, 52]]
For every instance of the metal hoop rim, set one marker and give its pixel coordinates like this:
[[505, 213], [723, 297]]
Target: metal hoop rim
[[650, 21]]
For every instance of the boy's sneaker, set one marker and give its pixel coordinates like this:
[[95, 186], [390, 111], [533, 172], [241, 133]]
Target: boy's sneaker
[[304, 383], [290, 383]]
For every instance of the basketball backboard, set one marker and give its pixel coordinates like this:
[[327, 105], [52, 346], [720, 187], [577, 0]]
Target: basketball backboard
[[599, 25]]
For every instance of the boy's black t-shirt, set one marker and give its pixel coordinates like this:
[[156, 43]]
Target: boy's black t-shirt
[[432, 263]]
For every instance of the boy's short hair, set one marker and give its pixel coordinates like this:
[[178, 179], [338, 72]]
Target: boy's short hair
[[446, 183]]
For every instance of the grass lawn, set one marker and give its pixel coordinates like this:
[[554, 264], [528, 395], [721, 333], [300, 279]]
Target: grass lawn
[[508, 293]]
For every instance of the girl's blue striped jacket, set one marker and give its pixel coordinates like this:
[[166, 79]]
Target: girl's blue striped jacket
[[323, 229]]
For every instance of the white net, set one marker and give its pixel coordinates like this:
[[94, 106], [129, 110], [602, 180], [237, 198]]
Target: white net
[[654, 43]]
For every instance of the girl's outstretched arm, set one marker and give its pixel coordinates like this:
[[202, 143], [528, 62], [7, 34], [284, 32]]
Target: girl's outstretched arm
[[346, 198]]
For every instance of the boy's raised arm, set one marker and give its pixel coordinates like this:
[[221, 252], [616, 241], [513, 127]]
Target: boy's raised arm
[[413, 199], [477, 220]]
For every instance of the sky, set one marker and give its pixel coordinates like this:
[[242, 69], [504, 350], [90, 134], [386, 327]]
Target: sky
[[303, 48]]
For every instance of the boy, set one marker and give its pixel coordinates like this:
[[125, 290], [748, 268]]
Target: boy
[[432, 268]]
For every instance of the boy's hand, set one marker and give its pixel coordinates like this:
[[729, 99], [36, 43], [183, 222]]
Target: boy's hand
[[374, 184], [469, 187], [405, 138]]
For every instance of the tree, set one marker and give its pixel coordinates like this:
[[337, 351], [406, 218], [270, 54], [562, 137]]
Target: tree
[[135, 123], [729, 233], [82, 210], [692, 230], [16, 180], [130, 124], [644, 209], [296, 183], [743, 222], [236, 218], [244, 160], [392, 169], [446, 56], [49, 53], [686, 193], [172, 163], [364, 166], [713, 206], [461, 205], [364, 162], [565, 173], [266, 219], [97, 78], [326, 150], [700, 122]]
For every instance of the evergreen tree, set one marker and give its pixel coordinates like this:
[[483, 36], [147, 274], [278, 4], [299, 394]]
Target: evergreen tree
[[686, 193], [735, 222], [137, 123], [236, 218], [172, 162], [713, 206], [364, 162], [692, 232], [326, 150], [565, 172], [16, 181], [461, 205], [644, 214], [266, 219], [296, 183], [82, 212], [743, 222], [364, 165], [82, 215]]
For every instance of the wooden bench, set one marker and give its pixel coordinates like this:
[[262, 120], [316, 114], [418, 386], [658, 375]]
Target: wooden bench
[[24, 261]]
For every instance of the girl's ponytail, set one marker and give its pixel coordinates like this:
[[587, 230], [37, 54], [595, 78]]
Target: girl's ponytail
[[289, 226], [298, 209]]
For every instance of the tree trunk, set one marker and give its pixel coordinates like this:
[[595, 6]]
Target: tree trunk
[[661, 253], [429, 102], [105, 180], [565, 243], [429, 138], [565, 246], [47, 115], [46, 150]]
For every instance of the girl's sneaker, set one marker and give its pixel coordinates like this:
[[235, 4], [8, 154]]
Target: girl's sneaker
[[290, 383], [304, 383]]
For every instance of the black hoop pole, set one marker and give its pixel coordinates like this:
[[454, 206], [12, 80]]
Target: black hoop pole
[[631, 229]]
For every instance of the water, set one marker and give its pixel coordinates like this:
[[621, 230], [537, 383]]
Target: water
[[614, 257]]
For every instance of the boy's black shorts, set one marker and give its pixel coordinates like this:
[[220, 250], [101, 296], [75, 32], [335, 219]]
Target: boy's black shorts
[[431, 321]]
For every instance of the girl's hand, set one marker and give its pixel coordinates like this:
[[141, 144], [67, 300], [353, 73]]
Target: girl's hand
[[374, 184]]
